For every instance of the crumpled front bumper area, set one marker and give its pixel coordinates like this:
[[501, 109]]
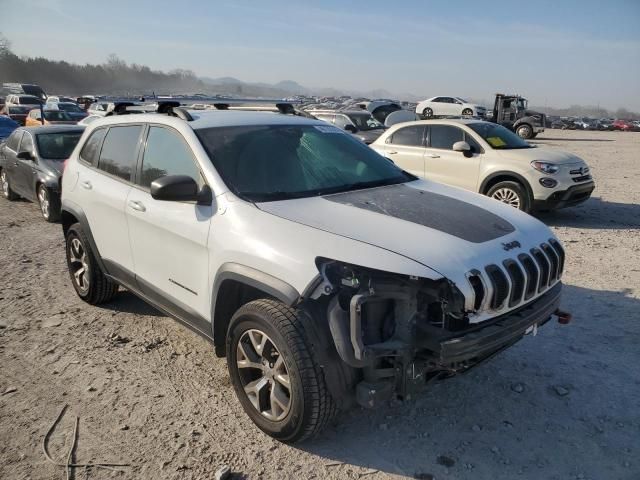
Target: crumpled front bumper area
[[461, 350]]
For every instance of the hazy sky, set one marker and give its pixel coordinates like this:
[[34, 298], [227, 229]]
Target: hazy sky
[[555, 53]]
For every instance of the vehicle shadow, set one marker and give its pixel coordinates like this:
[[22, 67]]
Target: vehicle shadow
[[573, 139], [127, 302], [595, 213], [554, 405]]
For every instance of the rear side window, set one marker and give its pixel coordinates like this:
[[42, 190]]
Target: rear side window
[[410, 136], [444, 136], [91, 148], [14, 140], [167, 154], [119, 151]]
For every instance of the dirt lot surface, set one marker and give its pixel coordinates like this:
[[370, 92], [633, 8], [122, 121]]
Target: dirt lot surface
[[562, 405]]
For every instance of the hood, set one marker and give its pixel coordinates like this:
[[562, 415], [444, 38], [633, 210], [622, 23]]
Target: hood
[[542, 153], [447, 229], [54, 166]]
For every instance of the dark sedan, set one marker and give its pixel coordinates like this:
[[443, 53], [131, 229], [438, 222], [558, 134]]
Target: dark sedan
[[31, 164]]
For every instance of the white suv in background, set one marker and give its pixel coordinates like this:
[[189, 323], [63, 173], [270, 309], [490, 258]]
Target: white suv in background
[[326, 274], [488, 158], [445, 106]]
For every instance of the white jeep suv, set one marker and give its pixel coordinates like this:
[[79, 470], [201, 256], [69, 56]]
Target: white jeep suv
[[490, 159], [326, 274]]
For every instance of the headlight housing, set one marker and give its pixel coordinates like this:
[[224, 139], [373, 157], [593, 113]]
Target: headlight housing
[[545, 167]]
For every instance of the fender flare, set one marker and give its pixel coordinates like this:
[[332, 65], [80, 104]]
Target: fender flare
[[78, 213], [273, 286], [507, 173]]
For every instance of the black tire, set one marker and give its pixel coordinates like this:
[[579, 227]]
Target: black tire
[[91, 285], [49, 203], [467, 111], [503, 191], [427, 113], [525, 131], [311, 407], [5, 186]]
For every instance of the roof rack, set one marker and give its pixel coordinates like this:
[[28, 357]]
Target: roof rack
[[176, 109]]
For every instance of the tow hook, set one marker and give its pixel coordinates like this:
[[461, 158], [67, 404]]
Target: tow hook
[[563, 317]]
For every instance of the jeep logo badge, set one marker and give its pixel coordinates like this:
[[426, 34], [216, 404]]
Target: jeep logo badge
[[511, 245]]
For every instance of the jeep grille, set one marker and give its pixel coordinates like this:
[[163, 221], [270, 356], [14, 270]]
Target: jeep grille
[[519, 279]]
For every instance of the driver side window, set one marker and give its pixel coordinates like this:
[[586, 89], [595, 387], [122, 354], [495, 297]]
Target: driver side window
[[167, 153]]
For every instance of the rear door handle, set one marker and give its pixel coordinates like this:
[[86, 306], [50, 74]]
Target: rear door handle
[[392, 153], [433, 156], [86, 185], [137, 206]]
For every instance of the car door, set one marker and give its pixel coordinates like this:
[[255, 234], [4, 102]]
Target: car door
[[10, 161], [169, 239], [405, 147], [25, 169], [107, 165], [444, 165]]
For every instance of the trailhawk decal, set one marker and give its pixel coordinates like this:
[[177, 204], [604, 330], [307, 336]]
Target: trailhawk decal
[[440, 212]]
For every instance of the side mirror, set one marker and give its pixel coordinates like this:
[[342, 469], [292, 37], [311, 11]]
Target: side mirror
[[175, 188], [463, 147], [350, 128], [24, 155]]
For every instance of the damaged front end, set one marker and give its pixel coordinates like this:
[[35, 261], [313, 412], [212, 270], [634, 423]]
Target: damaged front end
[[401, 331]]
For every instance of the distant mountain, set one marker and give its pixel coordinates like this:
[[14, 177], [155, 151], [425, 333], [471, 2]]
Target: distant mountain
[[285, 88]]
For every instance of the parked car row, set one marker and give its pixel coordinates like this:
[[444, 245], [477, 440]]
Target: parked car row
[[327, 274]]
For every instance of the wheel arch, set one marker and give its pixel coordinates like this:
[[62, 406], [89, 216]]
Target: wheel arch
[[70, 214], [506, 176], [236, 284]]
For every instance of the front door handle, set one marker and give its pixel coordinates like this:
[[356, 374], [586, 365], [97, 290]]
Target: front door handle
[[137, 206], [392, 153], [433, 156], [86, 185]]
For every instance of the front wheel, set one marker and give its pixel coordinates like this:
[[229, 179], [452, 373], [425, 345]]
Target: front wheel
[[427, 113], [525, 131], [278, 383], [6, 186], [511, 193], [49, 204]]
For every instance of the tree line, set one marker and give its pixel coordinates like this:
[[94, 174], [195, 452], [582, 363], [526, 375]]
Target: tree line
[[114, 77]]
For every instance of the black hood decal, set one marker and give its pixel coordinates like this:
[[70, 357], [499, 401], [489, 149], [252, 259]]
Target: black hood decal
[[440, 212]]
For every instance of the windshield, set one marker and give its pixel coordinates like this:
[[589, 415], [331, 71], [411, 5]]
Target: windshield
[[278, 162], [57, 146], [29, 101], [498, 136], [19, 110], [57, 116], [522, 103], [69, 107], [365, 122]]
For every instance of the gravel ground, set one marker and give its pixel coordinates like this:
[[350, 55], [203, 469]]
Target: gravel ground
[[562, 405]]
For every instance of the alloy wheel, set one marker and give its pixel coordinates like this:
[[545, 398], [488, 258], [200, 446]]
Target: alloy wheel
[[508, 196], [79, 264], [264, 376], [45, 204]]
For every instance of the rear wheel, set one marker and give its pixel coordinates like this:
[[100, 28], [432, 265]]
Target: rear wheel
[[427, 113], [511, 193], [6, 186], [467, 111], [89, 281], [49, 204], [270, 363]]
